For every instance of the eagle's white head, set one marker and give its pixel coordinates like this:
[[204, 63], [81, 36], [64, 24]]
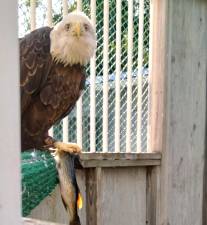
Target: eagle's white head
[[73, 40]]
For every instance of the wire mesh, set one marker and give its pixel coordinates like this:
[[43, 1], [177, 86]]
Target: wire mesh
[[41, 10]]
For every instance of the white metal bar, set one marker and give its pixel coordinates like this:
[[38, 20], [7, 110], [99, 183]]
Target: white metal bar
[[79, 121], [65, 120], [93, 88], [79, 108], [149, 76], [49, 13], [118, 71], [105, 76], [79, 5], [32, 14], [140, 68], [129, 76], [49, 23], [65, 129], [51, 132], [65, 7]]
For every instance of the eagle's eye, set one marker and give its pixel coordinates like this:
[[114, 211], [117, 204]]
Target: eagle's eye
[[67, 26], [86, 26]]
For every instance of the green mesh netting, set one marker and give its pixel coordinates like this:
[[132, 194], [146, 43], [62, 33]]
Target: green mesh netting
[[39, 178]]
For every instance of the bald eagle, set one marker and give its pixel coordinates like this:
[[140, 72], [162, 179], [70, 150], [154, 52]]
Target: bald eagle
[[52, 77]]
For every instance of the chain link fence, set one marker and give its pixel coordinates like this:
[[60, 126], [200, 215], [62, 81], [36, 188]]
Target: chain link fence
[[41, 9]]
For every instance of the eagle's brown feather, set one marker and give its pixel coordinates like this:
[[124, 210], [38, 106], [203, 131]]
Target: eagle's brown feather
[[49, 90]]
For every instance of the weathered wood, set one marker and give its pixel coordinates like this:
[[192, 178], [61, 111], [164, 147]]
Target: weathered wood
[[183, 137], [89, 160], [93, 191], [119, 163], [119, 156], [29, 221], [157, 75], [110, 196], [205, 187], [122, 199], [153, 195]]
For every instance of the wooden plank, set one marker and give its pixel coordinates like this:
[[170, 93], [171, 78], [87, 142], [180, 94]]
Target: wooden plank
[[153, 195], [119, 163], [92, 195], [10, 200], [119, 159], [117, 156], [122, 196], [183, 137], [157, 75], [29, 221], [205, 187]]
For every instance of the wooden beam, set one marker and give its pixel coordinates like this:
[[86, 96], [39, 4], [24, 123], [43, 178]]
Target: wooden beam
[[28, 221], [119, 163], [157, 74], [179, 115], [153, 195], [120, 156], [93, 189], [90, 160]]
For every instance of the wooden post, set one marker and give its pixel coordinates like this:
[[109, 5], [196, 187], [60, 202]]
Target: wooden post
[[178, 107], [9, 116]]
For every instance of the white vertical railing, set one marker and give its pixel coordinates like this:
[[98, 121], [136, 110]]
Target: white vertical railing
[[65, 7], [117, 79], [49, 13], [105, 76], [79, 103], [65, 120], [49, 23], [32, 14], [129, 76], [79, 5], [93, 88], [140, 69]]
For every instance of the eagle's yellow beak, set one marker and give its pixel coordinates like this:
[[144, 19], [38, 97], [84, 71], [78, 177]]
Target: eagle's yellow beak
[[78, 30]]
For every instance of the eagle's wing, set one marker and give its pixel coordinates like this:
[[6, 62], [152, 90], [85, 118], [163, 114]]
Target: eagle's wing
[[35, 63]]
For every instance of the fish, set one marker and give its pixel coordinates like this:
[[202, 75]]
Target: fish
[[70, 192]]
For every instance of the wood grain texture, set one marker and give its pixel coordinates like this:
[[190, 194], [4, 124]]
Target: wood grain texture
[[182, 166], [93, 190], [29, 221], [89, 160], [157, 75], [122, 197], [119, 156], [119, 163], [153, 195]]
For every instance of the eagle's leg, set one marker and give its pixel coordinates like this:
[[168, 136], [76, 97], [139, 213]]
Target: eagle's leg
[[72, 148]]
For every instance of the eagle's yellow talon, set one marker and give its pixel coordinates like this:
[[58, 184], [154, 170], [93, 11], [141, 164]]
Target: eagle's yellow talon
[[68, 147]]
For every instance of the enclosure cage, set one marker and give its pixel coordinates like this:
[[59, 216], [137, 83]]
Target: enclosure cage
[[112, 113]]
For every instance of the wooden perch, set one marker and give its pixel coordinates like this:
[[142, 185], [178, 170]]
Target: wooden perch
[[28, 221]]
